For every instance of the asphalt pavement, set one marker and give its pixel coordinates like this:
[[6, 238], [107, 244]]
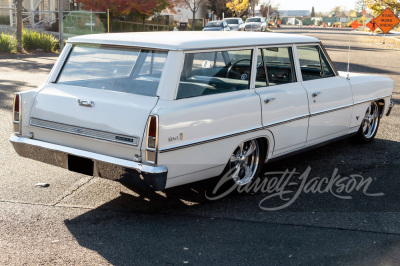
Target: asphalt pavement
[[85, 220]]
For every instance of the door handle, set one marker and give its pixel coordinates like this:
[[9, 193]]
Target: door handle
[[269, 100], [85, 103], [315, 94]]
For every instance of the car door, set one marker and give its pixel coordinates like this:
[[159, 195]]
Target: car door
[[330, 96], [213, 108], [283, 98]]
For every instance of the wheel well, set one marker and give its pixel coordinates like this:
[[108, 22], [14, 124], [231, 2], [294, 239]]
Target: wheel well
[[381, 106], [265, 142]]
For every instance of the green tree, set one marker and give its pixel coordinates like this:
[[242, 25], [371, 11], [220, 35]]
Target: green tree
[[377, 6], [218, 6], [312, 12]]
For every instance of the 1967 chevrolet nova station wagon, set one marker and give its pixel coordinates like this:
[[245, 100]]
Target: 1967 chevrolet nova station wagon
[[169, 108]]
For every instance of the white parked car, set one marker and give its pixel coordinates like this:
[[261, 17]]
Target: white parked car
[[255, 24], [170, 108], [236, 24]]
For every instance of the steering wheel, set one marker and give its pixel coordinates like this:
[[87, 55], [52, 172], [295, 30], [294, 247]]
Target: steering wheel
[[235, 73]]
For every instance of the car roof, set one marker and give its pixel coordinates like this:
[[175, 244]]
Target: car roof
[[191, 40]]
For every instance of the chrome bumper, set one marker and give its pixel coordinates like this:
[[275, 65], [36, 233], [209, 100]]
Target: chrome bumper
[[127, 172], [390, 108]]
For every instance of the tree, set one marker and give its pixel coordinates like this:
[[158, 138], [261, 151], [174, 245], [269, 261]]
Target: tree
[[312, 12], [19, 25], [218, 6], [268, 10], [143, 8], [193, 5], [377, 6], [253, 4], [338, 11], [360, 5], [238, 6]]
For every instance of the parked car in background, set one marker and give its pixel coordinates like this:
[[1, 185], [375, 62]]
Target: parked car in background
[[236, 24], [217, 25], [169, 108], [256, 24]]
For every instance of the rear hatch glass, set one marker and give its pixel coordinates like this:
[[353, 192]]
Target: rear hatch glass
[[117, 69]]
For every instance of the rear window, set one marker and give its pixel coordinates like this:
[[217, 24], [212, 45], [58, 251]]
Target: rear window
[[253, 20], [214, 24], [135, 71], [232, 21]]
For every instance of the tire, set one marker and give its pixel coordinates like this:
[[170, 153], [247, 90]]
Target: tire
[[246, 162], [369, 125]]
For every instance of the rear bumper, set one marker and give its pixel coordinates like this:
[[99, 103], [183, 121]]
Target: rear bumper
[[125, 171]]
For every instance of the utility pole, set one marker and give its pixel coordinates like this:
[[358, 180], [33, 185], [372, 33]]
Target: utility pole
[[61, 24]]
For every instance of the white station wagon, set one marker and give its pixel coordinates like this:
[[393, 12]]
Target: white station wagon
[[169, 108]]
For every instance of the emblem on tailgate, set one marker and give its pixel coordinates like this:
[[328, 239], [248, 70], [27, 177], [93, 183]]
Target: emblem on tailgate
[[123, 139]]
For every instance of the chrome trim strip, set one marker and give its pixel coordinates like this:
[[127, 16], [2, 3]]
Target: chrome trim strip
[[331, 110], [286, 121], [194, 143], [86, 132], [191, 144]]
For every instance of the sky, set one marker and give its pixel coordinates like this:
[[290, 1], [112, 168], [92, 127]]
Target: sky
[[319, 5]]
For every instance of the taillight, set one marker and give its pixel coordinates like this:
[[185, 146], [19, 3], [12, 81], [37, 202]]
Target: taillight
[[153, 128], [152, 139], [17, 114]]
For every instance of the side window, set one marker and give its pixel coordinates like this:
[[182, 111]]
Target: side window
[[313, 63], [279, 66], [153, 64], [214, 72]]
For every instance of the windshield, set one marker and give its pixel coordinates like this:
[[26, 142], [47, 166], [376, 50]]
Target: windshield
[[117, 69], [253, 20], [214, 24], [232, 21]]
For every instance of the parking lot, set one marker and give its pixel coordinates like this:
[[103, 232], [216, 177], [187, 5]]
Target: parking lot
[[85, 220]]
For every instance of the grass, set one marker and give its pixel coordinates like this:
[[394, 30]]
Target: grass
[[32, 40], [8, 43]]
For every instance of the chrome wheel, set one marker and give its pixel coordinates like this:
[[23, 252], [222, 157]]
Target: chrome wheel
[[244, 162], [370, 121]]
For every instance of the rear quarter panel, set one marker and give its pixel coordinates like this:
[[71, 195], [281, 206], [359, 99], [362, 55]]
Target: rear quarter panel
[[368, 88]]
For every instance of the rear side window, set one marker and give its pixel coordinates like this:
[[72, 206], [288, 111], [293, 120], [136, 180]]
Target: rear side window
[[214, 72], [276, 63], [313, 63], [126, 70]]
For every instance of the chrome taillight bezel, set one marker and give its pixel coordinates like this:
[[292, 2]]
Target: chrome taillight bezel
[[152, 142], [17, 117]]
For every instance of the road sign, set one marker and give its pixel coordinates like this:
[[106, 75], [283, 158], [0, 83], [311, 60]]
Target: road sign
[[372, 25], [364, 12], [355, 24], [386, 21]]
